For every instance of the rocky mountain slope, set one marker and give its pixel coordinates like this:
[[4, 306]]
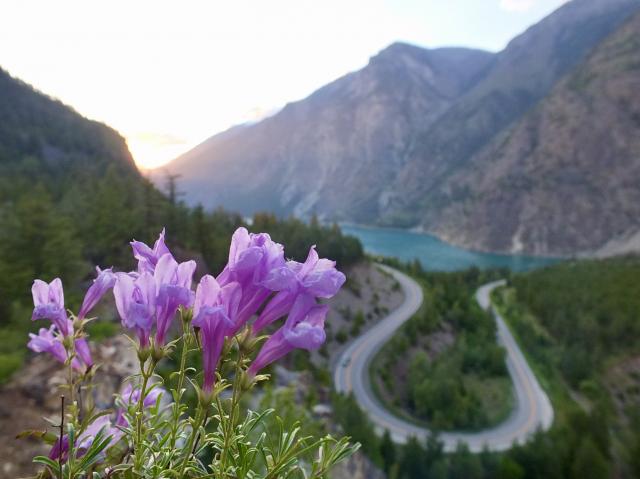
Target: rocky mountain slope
[[335, 151], [521, 75], [566, 174], [390, 144]]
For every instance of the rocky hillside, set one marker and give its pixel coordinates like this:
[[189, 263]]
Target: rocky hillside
[[566, 174], [38, 130], [400, 141], [522, 74], [334, 152]]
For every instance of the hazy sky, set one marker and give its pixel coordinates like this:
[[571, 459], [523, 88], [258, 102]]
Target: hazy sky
[[168, 75]]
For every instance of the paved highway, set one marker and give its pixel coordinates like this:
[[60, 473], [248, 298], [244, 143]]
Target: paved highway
[[351, 374]]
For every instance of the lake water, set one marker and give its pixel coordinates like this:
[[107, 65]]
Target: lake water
[[434, 254]]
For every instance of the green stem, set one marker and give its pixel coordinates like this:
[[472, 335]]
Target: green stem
[[71, 353], [230, 425], [178, 399], [138, 449], [190, 445]]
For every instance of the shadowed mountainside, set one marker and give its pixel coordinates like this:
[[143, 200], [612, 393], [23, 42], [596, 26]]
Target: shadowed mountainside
[[335, 151], [390, 144], [568, 172]]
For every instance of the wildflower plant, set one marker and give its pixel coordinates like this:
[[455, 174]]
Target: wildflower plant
[[152, 431]]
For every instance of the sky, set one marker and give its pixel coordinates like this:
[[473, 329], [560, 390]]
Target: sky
[[168, 74]]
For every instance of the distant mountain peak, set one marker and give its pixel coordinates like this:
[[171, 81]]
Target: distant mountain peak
[[390, 143]]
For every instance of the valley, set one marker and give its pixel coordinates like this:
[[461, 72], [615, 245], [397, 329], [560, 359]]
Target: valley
[[497, 152], [481, 208]]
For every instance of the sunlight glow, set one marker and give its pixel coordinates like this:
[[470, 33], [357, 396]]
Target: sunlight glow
[[168, 75]]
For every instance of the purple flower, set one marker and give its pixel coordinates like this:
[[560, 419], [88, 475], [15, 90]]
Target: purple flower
[[214, 310], [147, 257], [104, 282], [303, 329], [173, 284], [47, 341], [136, 303], [155, 292], [131, 396], [252, 258], [60, 450], [83, 352], [317, 277], [48, 300]]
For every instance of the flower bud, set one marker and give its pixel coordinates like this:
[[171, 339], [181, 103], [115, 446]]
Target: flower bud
[[143, 354], [157, 353], [67, 342], [187, 316], [247, 342], [205, 398], [77, 323], [247, 381]]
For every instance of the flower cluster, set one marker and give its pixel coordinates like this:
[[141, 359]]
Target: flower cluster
[[255, 290], [48, 300]]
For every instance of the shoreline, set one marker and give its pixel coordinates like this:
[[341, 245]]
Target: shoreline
[[418, 231]]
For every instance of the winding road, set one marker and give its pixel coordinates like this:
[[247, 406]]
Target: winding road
[[532, 409]]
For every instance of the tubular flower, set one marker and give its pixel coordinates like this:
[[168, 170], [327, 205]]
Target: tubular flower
[[48, 300], [131, 395], [136, 303], [60, 450], [173, 286], [46, 341], [148, 257], [317, 277], [83, 352], [104, 282], [252, 258], [214, 309], [304, 329]]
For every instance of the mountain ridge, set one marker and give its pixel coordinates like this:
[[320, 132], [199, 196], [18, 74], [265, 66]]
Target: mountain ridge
[[560, 162], [428, 85], [58, 136], [384, 145]]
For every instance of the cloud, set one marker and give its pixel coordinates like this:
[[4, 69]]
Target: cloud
[[160, 139], [517, 5]]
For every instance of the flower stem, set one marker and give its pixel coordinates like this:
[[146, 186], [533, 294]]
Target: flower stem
[[138, 449], [61, 434], [71, 354], [200, 415], [230, 424], [177, 403]]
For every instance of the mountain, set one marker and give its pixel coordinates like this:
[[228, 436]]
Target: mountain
[[53, 135], [522, 74], [335, 151], [397, 142], [568, 173]]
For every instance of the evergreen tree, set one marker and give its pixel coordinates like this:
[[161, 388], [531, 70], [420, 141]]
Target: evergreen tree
[[509, 469], [387, 451], [589, 462], [412, 465]]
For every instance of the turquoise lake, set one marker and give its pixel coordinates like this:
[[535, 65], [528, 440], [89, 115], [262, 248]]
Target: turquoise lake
[[434, 254]]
